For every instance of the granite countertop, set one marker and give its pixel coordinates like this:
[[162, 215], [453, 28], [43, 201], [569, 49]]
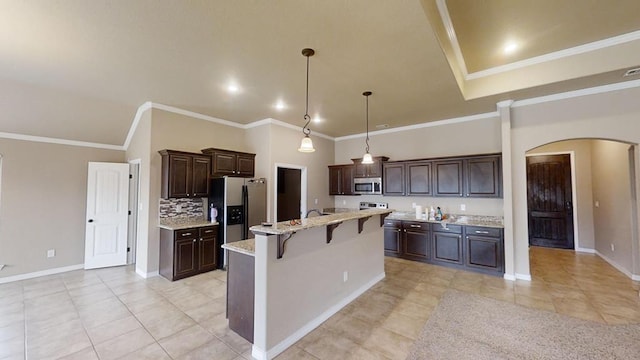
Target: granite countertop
[[337, 210], [455, 219], [184, 223], [247, 247], [285, 227]]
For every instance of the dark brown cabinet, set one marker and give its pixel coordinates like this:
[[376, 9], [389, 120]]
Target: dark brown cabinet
[[184, 174], [485, 249], [418, 178], [187, 252], [483, 176], [393, 180], [407, 239], [447, 244], [369, 170], [447, 177], [341, 179], [241, 294], [231, 163]]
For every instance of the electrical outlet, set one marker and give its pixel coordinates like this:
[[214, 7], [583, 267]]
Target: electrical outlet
[[597, 203], [613, 247], [463, 207], [51, 253], [344, 202], [315, 201], [345, 276]]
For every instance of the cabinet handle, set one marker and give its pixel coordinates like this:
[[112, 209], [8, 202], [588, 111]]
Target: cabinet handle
[[415, 226], [186, 234], [208, 231], [467, 194], [481, 232], [194, 240]]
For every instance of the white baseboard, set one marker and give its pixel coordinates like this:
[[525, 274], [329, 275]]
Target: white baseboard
[[261, 354], [585, 250], [526, 277], [618, 266], [147, 275], [509, 277], [36, 274]]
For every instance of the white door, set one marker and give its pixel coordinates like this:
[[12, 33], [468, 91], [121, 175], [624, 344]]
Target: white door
[[107, 213]]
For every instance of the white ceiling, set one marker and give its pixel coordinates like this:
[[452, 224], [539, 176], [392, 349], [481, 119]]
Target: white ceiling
[[78, 70]]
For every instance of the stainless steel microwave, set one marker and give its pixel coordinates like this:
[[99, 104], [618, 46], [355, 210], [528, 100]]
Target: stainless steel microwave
[[367, 186]]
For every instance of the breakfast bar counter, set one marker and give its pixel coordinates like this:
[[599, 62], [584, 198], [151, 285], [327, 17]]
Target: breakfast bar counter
[[305, 271]]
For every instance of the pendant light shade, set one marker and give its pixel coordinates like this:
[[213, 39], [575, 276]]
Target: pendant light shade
[[306, 146], [367, 159]]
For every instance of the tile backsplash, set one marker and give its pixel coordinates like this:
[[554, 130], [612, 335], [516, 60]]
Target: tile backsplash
[[183, 207]]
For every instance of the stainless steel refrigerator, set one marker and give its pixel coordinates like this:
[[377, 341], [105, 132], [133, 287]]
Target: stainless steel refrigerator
[[241, 203]]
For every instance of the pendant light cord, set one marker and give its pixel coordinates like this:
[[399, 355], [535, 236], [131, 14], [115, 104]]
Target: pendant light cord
[[367, 139], [305, 129]]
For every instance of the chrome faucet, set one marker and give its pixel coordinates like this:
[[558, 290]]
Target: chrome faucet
[[315, 211]]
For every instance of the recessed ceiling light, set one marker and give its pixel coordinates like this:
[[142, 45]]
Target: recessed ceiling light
[[280, 105], [233, 88], [317, 119], [510, 47]]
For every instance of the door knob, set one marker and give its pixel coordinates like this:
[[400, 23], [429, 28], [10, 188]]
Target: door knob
[[90, 220]]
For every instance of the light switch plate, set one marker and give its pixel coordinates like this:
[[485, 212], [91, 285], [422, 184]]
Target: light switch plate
[[51, 253]]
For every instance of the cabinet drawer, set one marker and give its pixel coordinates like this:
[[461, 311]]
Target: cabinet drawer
[[454, 229], [394, 224], [415, 225], [208, 231], [484, 231], [186, 233]]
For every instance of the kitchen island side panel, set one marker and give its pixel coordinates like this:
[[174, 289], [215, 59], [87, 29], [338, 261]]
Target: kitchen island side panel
[[297, 293]]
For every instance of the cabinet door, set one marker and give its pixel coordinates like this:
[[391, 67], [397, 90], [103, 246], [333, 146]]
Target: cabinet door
[[416, 240], [393, 179], [185, 262], [447, 248], [448, 178], [375, 169], [392, 237], [346, 186], [179, 176], [360, 170], [207, 253], [246, 165], [485, 253], [483, 177], [419, 178], [335, 180], [224, 163], [200, 180]]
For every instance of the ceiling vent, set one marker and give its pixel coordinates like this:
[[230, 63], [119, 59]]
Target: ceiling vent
[[632, 72]]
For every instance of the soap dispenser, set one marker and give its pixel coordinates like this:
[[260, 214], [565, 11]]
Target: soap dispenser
[[439, 214]]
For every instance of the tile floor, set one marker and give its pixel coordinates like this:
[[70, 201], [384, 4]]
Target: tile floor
[[114, 314]]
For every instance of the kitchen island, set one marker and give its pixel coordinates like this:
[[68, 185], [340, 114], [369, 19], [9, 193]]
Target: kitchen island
[[306, 271]]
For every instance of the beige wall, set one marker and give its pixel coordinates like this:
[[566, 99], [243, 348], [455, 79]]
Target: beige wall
[[613, 115], [465, 138], [43, 202], [611, 189], [583, 203]]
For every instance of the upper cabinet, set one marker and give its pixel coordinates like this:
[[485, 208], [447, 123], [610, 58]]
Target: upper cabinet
[[369, 170], [468, 176], [184, 174], [341, 179], [231, 163]]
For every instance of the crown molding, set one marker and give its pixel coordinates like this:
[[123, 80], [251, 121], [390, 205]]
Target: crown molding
[[50, 140]]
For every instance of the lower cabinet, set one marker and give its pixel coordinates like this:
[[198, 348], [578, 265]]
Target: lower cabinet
[[407, 239], [240, 294], [473, 248], [187, 252]]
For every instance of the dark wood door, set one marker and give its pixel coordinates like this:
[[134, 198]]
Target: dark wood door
[[419, 178], [200, 180], [207, 249], [483, 177], [246, 165], [393, 179], [186, 261], [224, 163], [179, 176], [549, 201], [289, 194], [335, 180], [448, 178]]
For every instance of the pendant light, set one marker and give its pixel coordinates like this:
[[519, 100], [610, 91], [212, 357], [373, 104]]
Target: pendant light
[[367, 159], [306, 146]]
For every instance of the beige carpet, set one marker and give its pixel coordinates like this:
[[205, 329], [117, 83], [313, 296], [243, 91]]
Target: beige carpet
[[466, 326]]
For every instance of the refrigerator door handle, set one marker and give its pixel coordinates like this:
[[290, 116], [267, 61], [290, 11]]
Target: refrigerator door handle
[[245, 212]]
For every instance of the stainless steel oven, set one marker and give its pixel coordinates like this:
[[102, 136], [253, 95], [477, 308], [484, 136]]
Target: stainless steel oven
[[367, 186]]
